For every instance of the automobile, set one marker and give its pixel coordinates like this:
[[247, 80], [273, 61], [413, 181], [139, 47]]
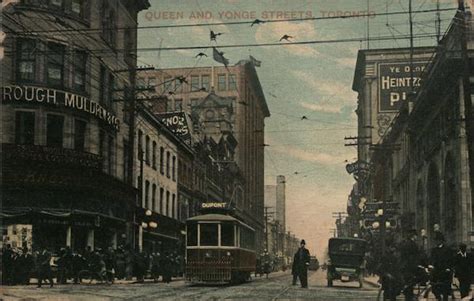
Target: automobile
[[346, 260], [313, 263]]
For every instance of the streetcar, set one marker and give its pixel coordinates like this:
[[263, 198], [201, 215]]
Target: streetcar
[[220, 249]]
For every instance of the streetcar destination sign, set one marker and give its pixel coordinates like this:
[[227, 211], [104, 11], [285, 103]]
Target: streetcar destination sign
[[31, 94], [214, 205]]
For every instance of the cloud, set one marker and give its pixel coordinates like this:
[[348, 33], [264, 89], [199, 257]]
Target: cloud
[[348, 62], [332, 95], [272, 32], [310, 156], [321, 107]]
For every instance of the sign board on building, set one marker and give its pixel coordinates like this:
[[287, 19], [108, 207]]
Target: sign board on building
[[59, 98], [178, 124], [395, 83], [214, 205]]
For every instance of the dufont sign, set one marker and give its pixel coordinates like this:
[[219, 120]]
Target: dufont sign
[[395, 83], [59, 98]]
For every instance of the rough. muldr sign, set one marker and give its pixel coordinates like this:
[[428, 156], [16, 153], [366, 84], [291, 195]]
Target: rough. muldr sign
[[60, 98], [178, 124], [395, 83]]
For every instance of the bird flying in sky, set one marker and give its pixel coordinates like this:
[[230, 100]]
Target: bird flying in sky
[[286, 38], [214, 35], [201, 54], [256, 22], [304, 118]]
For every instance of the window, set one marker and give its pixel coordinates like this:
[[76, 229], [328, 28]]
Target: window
[[178, 86], [79, 135], [232, 82], [126, 157], [55, 64], [191, 234], [209, 234], [25, 127], [162, 192], [140, 145], [153, 155], [110, 89], [80, 62], [168, 84], [110, 154], [173, 171], [140, 82], [151, 82], [178, 105], [54, 130], [147, 150], [162, 163], [221, 82], [153, 198], [146, 197], [194, 83], [173, 206], [194, 102], [103, 86], [77, 7], [227, 234], [108, 24], [205, 82], [128, 44], [167, 213], [26, 60], [168, 157], [56, 3]]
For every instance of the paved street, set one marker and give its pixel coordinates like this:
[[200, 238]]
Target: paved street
[[277, 287]]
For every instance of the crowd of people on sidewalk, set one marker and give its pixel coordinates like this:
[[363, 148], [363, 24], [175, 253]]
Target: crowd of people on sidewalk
[[21, 265], [405, 265]]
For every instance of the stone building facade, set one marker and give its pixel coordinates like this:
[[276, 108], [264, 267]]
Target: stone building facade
[[65, 149]]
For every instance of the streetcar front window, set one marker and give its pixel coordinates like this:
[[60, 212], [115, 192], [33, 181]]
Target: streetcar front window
[[227, 234], [192, 235], [208, 235]]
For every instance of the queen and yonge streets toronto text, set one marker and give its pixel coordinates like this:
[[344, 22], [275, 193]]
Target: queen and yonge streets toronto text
[[237, 150]]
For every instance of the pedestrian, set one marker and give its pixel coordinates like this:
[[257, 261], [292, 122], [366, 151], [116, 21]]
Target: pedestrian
[[26, 265], [129, 262], [441, 261], [410, 259], [294, 271], [167, 268], [79, 263], [140, 266], [155, 266], [7, 262], [120, 263], [301, 263], [110, 264], [391, 274], [266, 262], [44, 267], [463, 269]]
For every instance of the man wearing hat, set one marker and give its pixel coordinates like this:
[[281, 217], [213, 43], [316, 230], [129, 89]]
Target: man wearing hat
[[301, 263], [441, 261], [410, 257], [463, 266]]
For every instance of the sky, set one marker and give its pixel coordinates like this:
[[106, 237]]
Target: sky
[[312, 80]]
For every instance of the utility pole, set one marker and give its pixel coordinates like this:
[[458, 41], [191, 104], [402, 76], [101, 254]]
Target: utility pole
[[410, 13], [438, 22], [464, 26]]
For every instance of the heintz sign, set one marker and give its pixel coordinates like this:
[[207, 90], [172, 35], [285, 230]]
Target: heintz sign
[[55, 97], [395, 83]]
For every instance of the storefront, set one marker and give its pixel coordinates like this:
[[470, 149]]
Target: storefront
[[64, 198]]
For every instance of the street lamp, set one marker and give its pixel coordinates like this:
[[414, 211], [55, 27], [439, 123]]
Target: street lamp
[[148, 212], [153, 225], [144, 225]]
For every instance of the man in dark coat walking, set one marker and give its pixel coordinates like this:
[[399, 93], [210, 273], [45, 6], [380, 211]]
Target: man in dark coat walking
[[301, 263], [463, 267], [44, 267], [441, 260], [410, 258]]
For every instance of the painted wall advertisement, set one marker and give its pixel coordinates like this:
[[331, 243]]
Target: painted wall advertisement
[[395, 83]]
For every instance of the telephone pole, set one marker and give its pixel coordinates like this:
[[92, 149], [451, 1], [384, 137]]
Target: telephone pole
[[266, 215]]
